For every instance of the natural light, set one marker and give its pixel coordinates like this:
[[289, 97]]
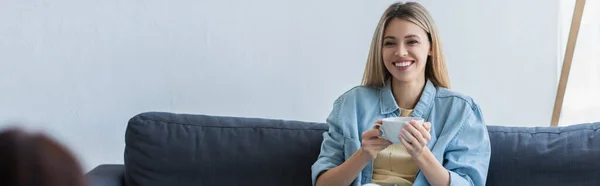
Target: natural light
[[582, 97]]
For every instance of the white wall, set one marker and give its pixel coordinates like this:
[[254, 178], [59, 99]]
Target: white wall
[[581, 103], [81, 69], [504, 55]]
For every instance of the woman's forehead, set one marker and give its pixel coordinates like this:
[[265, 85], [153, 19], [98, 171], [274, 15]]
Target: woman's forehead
[[400, 28]]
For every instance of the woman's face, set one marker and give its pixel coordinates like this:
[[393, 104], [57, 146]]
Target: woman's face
[[405, 50]]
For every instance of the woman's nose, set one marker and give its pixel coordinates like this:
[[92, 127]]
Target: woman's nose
[[401, 51]]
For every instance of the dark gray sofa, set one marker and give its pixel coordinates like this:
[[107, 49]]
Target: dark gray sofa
[[182, 149]]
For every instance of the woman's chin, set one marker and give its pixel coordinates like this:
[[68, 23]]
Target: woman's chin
[[408, 78], [403, 78]]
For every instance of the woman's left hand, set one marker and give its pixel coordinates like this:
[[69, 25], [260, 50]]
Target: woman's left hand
[[418, 135]]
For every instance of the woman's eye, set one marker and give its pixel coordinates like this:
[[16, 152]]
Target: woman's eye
[[389, 43], [412, 42]]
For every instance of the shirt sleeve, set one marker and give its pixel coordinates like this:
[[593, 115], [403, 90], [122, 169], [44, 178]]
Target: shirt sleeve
[[468, 154], [332, 147]]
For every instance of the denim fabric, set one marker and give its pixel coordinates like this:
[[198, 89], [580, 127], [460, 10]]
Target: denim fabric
[[459, 134]]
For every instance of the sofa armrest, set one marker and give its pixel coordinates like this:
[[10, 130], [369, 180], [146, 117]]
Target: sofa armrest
[[106, 175]]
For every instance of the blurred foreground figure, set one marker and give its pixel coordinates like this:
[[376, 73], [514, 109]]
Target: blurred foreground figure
[[34, 159]]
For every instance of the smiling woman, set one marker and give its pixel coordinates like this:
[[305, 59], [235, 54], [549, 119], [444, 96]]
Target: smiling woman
[[405, 56], [405, 76], [423, 39]]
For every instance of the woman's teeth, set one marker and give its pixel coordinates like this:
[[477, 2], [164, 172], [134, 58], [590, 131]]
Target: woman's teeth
[[403, 64]]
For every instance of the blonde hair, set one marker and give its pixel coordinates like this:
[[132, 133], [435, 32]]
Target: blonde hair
[[376, 74]]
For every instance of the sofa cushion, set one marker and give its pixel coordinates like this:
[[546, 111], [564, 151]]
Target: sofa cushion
[[180, 149], [568, 155]]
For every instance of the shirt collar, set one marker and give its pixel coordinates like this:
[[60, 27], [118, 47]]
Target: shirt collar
[[388, 103]]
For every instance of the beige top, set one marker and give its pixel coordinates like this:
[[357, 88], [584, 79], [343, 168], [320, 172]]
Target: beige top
[[394, 165]]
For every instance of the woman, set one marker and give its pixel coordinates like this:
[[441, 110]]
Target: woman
[[36, 160], [405, 75]]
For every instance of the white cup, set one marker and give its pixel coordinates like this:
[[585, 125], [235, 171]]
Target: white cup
[[392, 128]]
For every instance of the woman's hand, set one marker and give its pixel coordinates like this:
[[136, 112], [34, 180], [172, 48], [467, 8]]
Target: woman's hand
[[418, 135], [372, 143]]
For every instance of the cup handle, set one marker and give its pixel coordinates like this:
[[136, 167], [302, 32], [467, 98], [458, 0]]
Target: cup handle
[[379, 128]]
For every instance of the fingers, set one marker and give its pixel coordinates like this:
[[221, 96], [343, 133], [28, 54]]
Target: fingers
[[422, 130], [419, 132], [378, 124], [379, 147], [413, 133], [426, 133], [409, 136], [427, 126], [406, 144], [376, 143], [373, 133]]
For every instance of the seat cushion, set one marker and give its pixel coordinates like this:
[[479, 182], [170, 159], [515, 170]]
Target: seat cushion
[[568, 155], [181, 149]]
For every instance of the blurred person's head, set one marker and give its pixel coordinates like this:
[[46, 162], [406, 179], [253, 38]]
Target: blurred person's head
[[34, 159]]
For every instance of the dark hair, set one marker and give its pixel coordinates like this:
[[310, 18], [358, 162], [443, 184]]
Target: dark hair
[[34, 159]]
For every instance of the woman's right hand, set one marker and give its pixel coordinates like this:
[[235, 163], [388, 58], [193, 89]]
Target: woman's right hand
[[372, 143]]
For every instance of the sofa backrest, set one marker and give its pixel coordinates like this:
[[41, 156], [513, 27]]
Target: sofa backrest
[[568, 155], [179, 149]]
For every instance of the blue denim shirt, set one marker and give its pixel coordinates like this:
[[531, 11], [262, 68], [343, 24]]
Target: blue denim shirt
[[459, 137]]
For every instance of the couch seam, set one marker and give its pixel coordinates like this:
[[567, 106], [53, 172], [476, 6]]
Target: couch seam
[[546, 132], [170, 122]]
